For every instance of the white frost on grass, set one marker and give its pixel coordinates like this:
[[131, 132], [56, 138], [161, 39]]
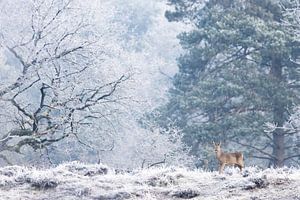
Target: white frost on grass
[[96, 181]]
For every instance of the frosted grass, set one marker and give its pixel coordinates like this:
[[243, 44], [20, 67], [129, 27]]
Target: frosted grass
[[96, 181]]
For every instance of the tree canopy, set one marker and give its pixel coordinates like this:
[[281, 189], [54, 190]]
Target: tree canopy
[[239, 72]]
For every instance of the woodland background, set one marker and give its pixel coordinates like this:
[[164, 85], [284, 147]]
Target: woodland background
[[139, 83]]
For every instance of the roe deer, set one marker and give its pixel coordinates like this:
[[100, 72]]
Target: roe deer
[[235, 158]]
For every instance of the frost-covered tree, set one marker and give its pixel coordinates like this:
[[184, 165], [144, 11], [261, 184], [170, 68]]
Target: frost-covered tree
[[237, 74], [53, 85], [75, 101], [146, 38], [291, 127]]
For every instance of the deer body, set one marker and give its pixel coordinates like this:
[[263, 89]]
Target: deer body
[[235, 158]]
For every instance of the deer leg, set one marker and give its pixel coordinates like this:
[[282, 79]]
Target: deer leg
[[241, 167], [221, 168]]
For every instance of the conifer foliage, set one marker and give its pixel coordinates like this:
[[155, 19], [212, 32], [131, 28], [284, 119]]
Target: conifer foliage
[[239, 72]]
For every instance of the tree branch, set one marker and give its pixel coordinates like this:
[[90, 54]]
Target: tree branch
[[22, 110], [157, 163], [261, 157], [290, 157], [93, 100], [257, 149]]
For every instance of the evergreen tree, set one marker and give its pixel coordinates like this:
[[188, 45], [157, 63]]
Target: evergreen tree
[[238, 73]]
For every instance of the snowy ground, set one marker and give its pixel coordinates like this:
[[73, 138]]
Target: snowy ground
[[74, 180]]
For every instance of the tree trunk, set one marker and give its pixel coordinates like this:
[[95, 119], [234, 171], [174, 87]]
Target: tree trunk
[[278, 149], [278, 115]]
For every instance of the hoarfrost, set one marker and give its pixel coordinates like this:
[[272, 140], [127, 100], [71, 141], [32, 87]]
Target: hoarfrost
[[96, 181]]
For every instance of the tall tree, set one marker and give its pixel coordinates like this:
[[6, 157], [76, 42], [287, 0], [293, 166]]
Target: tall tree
[[54, 86], [238, 73]]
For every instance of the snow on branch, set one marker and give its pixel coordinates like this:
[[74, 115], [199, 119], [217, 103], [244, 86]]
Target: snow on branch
[[59, 84]]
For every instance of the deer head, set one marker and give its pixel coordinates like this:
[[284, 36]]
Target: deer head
[[217, 147]]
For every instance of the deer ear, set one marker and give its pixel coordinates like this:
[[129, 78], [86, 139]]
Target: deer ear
[[214, 143], [219, 143]]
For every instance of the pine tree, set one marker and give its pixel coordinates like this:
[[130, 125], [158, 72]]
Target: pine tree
[[238, 73]]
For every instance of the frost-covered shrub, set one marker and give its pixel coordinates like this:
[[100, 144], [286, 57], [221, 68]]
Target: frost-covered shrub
[[43, 183], [185, 194], [257, 183], [85, 169], [114, 196]]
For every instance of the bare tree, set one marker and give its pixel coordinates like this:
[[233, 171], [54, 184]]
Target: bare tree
[[58, 88]]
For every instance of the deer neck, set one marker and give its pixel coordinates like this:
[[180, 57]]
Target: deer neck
[[219, 153]]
